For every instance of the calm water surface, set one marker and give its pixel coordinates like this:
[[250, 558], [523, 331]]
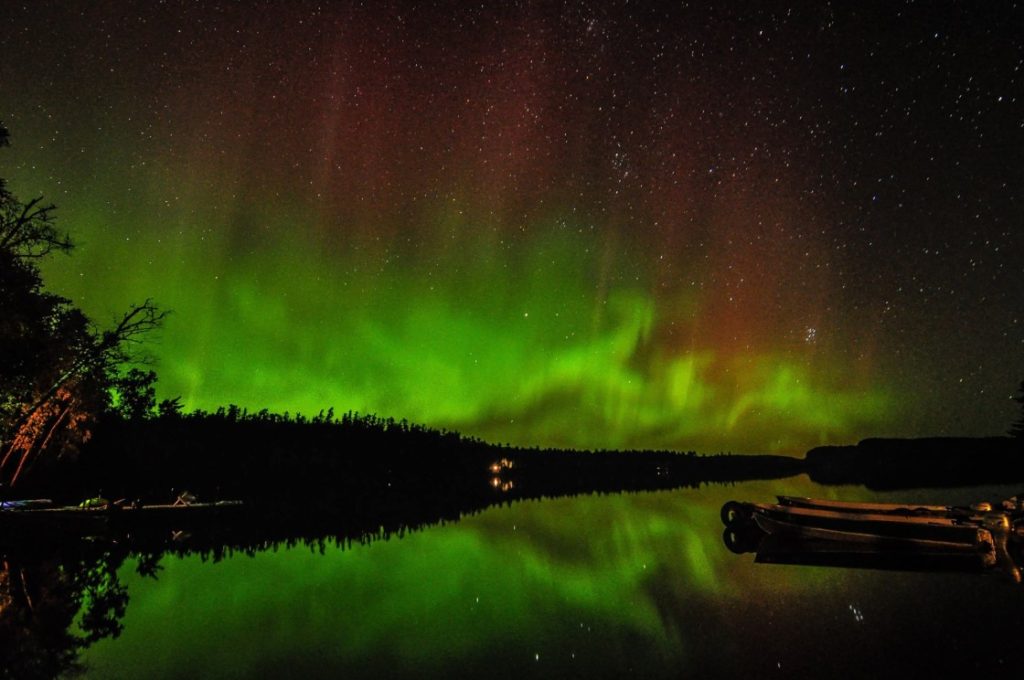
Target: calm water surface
[[594, 586]]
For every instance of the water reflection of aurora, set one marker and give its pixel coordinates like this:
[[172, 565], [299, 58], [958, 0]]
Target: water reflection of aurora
[[586, 584]]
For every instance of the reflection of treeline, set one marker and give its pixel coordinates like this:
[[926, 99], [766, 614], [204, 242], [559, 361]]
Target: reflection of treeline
[[53, 604], [60, 594]]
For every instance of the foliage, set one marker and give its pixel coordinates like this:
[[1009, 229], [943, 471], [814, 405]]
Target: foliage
[[56, 368], [136, 395], [44, 600]]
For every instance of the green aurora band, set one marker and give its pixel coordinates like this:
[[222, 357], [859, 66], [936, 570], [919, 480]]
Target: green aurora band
[[527, 343]]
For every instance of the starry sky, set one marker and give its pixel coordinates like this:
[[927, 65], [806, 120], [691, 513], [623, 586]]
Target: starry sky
[[608, 224]]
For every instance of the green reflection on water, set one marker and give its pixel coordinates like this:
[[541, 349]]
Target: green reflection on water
[[573, 585]]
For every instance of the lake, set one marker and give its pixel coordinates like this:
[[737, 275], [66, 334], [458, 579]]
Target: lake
[[591, 586]]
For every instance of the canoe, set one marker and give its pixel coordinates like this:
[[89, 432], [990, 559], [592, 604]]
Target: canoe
[[796, 530], [27, 504], [911, 509], [928, 527]]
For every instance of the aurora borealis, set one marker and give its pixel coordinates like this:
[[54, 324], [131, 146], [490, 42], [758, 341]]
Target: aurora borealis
[[585, 224]]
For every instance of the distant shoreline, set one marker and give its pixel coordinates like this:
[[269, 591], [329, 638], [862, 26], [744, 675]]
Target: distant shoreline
[[356, 460]]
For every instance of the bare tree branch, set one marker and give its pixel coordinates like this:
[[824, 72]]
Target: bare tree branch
[[118, 345], [28, 230]]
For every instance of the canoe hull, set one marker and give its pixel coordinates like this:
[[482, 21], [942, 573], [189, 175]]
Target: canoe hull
[[806, 531]]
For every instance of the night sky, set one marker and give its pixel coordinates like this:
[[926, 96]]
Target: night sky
[[585, 224]]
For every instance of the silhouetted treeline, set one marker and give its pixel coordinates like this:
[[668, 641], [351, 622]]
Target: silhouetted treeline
[[363, 465], [355, 461]]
